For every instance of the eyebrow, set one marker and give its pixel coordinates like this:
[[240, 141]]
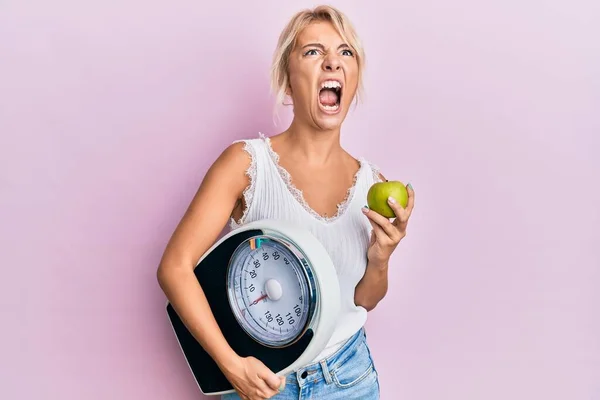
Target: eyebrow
[[319, 45]]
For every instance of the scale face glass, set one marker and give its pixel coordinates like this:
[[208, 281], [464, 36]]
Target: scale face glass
[[270, 290]]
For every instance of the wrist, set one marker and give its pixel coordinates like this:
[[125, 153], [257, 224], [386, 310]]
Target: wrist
[[229, 361], [381, 265]]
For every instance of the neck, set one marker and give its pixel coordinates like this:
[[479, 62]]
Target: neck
[[314, 146]]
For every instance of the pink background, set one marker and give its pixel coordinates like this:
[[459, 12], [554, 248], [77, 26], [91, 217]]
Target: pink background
[[110, 115]]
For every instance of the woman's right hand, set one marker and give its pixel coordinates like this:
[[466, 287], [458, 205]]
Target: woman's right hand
[[253, 380]]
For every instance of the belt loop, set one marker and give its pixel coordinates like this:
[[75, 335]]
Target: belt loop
[[325, 369]]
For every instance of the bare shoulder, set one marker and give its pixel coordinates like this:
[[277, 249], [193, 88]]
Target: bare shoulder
[[233, 159], [228, 174], [210, 208]]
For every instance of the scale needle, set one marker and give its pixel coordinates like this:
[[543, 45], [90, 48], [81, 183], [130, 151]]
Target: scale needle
[[259, 299]]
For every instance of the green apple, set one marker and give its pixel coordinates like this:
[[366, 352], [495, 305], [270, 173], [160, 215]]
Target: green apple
[[379, 193]]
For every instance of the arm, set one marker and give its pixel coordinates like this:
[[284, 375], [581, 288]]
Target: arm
[[197, 231], [199, 228], [385, 237], [373, 286]]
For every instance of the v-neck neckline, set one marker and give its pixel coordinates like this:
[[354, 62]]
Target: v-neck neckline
[[297, 194]]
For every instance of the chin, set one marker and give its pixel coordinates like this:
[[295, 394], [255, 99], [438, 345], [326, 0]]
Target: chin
[[329, 123], [329, 118]]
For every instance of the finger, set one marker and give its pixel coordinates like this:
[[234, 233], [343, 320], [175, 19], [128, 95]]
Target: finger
[[400, 212], [244, 396], [381, 223], [411, 198], [273, 381], [263, 391], [377, 232], [280, 386]]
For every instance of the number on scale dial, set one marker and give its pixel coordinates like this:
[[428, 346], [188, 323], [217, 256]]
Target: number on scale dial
[[268, 291]]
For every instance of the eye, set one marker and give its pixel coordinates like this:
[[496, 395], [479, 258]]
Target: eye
[[311, 52], [347, 52]]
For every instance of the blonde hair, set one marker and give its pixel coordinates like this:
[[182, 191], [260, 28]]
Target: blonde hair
[[287, 40]]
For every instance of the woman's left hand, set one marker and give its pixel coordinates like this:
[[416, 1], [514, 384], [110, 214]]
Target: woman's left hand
[[386, 233]]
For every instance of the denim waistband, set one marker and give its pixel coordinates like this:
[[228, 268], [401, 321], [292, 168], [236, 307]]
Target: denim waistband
[[320, 369]]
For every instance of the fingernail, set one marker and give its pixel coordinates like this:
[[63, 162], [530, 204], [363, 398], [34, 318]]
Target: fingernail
[[409, 186], [365, 209], [392, 200]]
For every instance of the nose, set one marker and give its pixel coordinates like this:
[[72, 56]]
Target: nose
[[331, 63]]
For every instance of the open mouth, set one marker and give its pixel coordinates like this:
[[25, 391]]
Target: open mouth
[[330, 95]]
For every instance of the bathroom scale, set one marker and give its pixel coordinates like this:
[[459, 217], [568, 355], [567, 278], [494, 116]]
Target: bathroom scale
[[274, 293]]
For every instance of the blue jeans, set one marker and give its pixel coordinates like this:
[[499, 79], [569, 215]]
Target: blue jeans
[[347, 374]]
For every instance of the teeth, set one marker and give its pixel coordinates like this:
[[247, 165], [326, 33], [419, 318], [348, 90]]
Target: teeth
[[331, 108], [331, 85]]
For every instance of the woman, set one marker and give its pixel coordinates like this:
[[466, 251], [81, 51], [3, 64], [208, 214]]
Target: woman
[[305, 176]]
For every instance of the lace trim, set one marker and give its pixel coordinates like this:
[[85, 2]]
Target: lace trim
[[248, 192], [376, 171], [299, 196]]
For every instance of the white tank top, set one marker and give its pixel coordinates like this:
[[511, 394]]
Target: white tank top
[[345, 235]]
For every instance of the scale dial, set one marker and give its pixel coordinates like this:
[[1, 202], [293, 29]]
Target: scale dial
[[270, 291]]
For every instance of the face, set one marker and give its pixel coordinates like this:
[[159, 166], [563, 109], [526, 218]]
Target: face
[[323, 73]]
